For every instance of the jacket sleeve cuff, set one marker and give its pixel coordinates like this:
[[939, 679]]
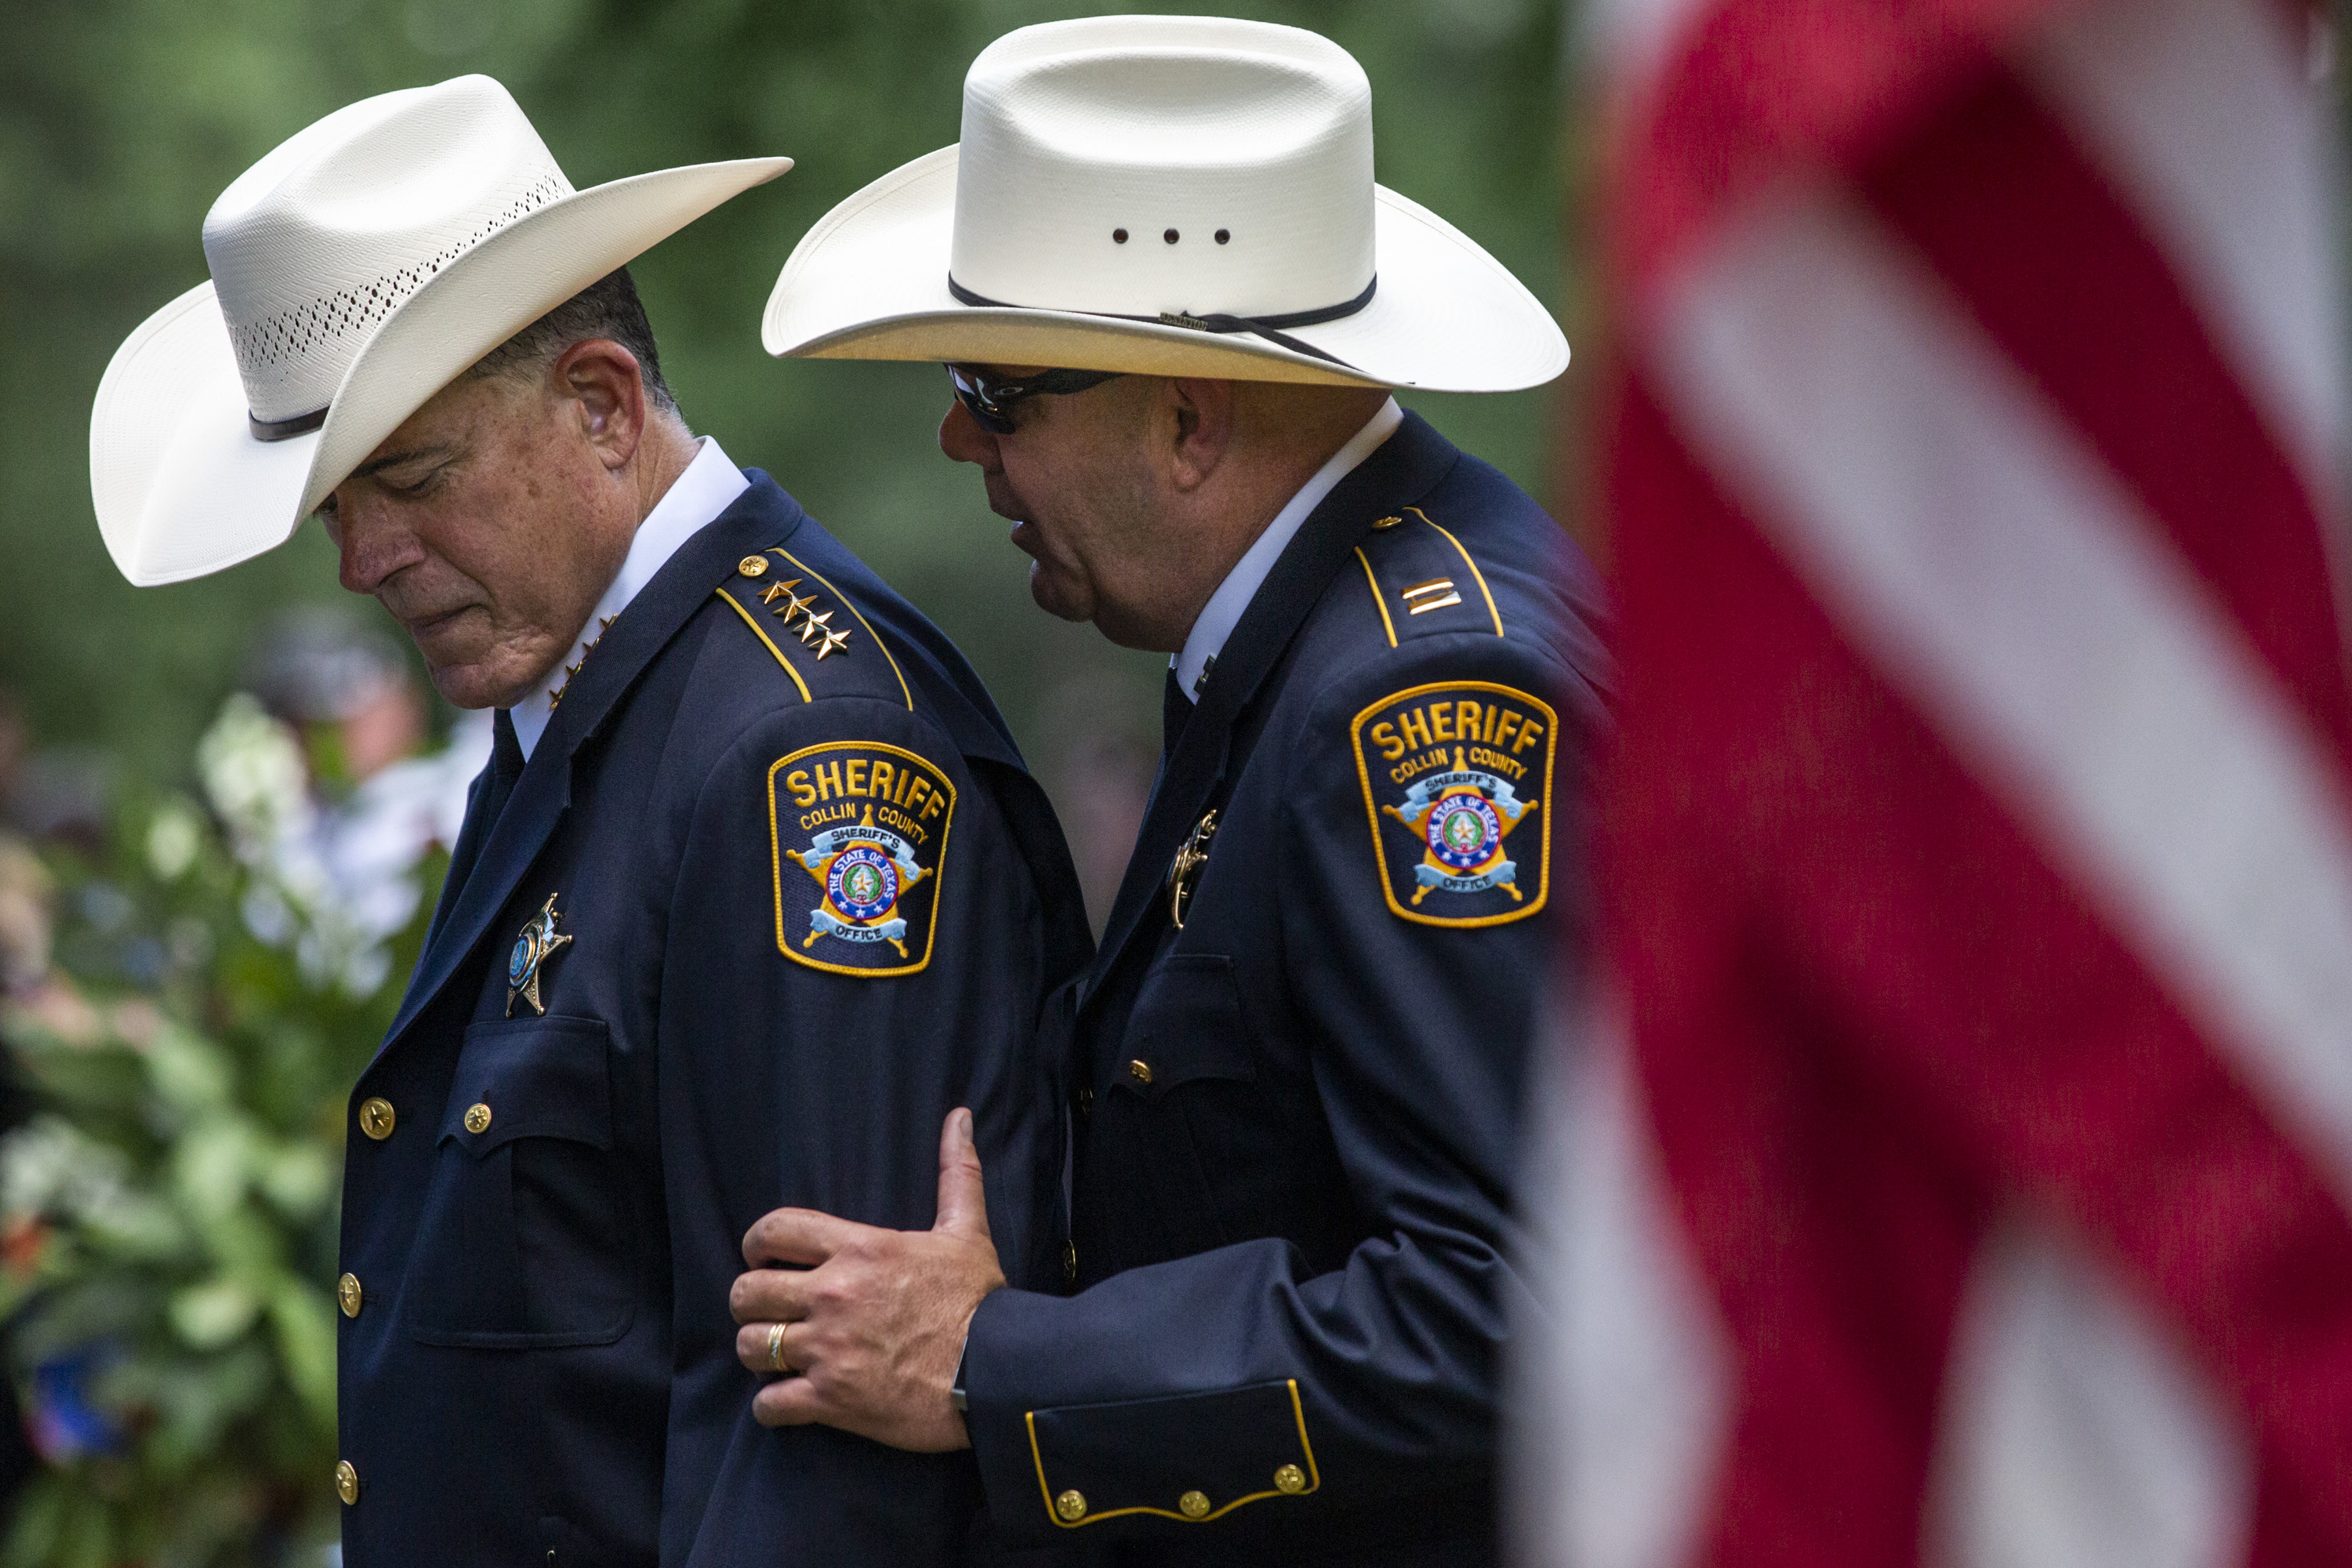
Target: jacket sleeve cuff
[[1157, 1463]]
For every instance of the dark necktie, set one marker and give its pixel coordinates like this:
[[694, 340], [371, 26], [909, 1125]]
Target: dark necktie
[[506, 767], [481, 815]]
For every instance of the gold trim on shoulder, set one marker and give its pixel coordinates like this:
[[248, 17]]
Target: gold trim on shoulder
[[860, 617], [1479, 576], [1373, 583], [762, 633]]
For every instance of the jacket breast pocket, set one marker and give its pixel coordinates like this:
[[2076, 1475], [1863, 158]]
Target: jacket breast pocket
[[1187, 1025], [1186, 1078], [526, 1240]]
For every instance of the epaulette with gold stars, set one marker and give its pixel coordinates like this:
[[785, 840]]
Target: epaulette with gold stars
[[815, 632], [1423, 581]]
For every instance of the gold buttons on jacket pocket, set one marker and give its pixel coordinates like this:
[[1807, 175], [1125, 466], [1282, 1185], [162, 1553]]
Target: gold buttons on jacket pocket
[[348, 1295], [1140, 1070], [753, 566], [1071, 1504], [1069, 1263], [477, 1118], [1194, 1504], [1290, 1480], [347, 1481], [377, 1118]]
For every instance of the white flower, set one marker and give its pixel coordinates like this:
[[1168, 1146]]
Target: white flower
[[172, 838], [253, 773], [267, 914], [50, 1166]]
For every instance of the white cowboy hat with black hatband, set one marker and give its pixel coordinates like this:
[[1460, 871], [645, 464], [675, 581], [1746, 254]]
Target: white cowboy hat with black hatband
[[1168, 195], [356, 270]]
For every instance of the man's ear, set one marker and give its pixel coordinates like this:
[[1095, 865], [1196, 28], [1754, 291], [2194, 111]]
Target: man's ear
[[1203, 433], [603, 380]]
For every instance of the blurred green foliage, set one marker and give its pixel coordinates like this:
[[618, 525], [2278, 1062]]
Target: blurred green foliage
[[168, 1217], [121, 119]]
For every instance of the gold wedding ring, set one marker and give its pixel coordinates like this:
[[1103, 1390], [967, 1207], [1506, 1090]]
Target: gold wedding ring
[[776, 1347]]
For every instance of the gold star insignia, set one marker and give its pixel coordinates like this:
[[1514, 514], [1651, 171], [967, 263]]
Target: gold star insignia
[[834, 643], [813, 625], [555, 693]]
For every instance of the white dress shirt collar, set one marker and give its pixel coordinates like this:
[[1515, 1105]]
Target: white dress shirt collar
[[696, 498], [1224, 611]]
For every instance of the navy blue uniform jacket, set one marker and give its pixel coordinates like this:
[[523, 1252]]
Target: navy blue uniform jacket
[[812, 901], [1296, 1114]]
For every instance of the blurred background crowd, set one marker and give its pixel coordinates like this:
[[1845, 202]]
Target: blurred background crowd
[[224, 807]]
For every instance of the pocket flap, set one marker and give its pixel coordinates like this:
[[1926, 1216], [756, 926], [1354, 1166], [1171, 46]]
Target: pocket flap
[[1187, 1025], [531, 1077]]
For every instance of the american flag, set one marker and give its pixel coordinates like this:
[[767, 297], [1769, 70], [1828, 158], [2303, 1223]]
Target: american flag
[[1956, 1160]]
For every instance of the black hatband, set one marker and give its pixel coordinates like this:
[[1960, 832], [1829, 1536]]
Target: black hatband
[[285, 429], [1266, 327]]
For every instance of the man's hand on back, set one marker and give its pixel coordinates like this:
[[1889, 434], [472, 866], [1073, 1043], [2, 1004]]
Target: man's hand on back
[[874, 1320]]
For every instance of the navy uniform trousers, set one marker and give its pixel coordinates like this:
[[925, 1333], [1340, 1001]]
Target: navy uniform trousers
[[1297, 1113], [773, 894]]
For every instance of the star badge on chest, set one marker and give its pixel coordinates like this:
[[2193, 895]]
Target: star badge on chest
[[1184, 871], [532, 949]]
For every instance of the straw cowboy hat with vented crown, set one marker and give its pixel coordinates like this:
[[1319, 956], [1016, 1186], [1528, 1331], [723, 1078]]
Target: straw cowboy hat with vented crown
[[1168, 195], [356, 270]]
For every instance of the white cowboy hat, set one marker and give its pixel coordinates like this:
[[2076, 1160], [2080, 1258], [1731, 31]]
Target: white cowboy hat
[[1174, 196], [356, 270]]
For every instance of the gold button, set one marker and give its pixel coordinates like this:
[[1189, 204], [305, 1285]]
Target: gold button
[[1140, 1071], [347, 1481], [753, 566], [1194, 1504], [1290, 1479], [1070, 1262], [376, 1119], [1388, 522], [348, 1295], [1071, 1504], [477, 1118]]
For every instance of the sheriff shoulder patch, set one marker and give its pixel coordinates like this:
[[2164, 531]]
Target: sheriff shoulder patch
[[1451, 773], [859, 831]]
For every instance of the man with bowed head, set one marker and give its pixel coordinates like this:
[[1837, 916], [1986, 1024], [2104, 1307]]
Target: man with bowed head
[[753, 891], [1172, 305]]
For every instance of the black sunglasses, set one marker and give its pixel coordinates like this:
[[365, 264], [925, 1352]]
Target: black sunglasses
[[991, 399]]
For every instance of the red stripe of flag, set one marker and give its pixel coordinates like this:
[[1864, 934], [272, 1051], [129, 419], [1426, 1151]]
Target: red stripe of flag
[[1816, 907], [2061, 276], [1764, 88], [1837, 1254]]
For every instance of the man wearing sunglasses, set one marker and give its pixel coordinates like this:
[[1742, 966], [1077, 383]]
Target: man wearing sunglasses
[[992, 396], [1296, 1063]]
